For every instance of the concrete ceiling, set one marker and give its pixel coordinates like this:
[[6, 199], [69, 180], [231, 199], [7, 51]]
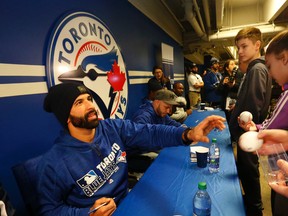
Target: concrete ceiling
[[208, 27]]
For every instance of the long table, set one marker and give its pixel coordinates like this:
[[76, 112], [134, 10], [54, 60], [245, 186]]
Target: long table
[[167, 188]]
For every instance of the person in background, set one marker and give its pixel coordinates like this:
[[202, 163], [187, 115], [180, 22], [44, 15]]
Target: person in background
[[180, 112], [153, 87], [159, 78], [272, 136], [86, 167], [229, 86], [159, 110], [276, 61], [212, 79], [204, 73], [195, 84], [220, 68], [254, 96]]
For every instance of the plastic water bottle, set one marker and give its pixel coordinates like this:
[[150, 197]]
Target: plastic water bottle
[[202, 201], [214, 157]]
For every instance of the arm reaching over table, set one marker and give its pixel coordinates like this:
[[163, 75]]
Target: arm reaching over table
[[199, 133]]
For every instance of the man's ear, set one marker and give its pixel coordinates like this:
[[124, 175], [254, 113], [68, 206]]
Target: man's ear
[[156, 103], [258, 44], [68, 120]]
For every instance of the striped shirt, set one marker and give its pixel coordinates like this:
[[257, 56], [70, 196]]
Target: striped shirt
[[278, 119]]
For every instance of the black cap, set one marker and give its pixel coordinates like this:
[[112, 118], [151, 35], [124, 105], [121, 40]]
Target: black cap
[[154, 86], [60, 99]]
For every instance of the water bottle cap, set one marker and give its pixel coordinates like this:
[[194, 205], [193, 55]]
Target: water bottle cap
[[202, 185], [214, 140]]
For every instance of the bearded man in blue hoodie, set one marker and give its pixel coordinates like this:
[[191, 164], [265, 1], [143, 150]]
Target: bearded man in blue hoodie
[[86, 167]]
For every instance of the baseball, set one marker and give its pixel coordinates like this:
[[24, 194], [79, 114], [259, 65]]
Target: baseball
[[249, 142], [246, 116]]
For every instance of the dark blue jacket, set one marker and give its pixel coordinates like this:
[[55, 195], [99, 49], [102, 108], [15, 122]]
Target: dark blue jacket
[[146, 115], [74, 174], [211, 83]]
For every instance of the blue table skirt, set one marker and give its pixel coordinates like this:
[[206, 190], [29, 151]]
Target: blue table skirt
[[168, 186]]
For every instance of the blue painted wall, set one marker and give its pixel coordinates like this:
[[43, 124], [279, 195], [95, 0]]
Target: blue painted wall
[[25, 129]]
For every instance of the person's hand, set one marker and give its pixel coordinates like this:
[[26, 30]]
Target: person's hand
[[231, 84], [106, 210], [226, 80], [272, 136], [231, 106], [281, 186], [248, 126], [189, 111], [199, 133]]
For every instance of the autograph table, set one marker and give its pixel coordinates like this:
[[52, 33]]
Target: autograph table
[[167, 188]]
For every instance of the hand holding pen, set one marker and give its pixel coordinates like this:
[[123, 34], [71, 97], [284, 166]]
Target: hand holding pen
[[103, 206]]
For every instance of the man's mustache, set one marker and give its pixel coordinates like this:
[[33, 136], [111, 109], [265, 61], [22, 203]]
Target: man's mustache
[[91, 112]]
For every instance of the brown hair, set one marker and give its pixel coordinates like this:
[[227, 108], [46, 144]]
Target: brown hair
[[278, 44], [252, 33], [155, 68], [226, 64]]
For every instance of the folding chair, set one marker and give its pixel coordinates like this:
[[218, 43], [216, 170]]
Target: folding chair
[[26, 178]]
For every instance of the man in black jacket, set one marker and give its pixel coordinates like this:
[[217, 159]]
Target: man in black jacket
[[254, 96]]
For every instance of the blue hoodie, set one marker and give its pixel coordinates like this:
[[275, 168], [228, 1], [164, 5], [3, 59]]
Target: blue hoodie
[[211, 85], [74, 174], [146, 115]]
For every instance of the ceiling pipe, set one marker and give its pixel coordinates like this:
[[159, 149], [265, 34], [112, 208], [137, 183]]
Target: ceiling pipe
[[219, 13], [207, 13], [173, 15], [198, 15], [226, 33], [190, 16]]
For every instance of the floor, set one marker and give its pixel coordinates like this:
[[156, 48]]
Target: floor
[[265, 192]]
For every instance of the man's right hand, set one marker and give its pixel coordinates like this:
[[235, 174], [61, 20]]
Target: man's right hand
[[189, 111], [105, 210]]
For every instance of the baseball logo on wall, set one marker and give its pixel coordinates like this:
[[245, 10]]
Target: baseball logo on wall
[[82, 49]]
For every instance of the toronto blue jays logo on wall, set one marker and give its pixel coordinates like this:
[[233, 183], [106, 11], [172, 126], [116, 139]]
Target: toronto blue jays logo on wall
[[82, 49]]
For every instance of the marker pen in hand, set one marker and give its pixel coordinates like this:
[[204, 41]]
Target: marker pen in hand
[[95, 209]]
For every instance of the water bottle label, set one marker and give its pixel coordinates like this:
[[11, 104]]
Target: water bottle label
[[214, 164], [214, 160], [217, 152]]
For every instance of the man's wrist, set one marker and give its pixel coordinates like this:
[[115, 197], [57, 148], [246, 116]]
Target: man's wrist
[[186, 139]]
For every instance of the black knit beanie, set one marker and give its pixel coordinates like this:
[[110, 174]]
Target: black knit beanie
[[60, 99]]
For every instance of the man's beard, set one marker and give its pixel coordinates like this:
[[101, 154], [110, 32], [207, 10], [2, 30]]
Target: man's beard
[[83, 122]]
